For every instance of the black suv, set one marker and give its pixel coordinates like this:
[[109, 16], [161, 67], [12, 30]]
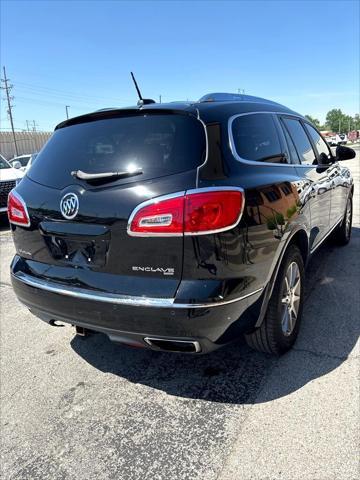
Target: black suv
[[179, 226]]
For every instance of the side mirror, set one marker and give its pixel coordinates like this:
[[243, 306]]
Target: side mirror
[[344, 153], [16, 164]]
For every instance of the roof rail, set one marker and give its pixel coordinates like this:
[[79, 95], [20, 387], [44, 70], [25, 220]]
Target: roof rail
[[233, 97]]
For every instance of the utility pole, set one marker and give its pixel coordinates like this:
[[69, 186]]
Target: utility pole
[[241, 90], [67, 110], [339, 125], [34, 126], [7, 89], [159, 98], [27, 126]]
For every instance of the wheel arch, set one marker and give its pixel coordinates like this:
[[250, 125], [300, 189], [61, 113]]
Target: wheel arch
[[299, 238]]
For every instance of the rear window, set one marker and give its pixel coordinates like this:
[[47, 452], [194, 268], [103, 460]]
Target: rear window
[[157, 144]]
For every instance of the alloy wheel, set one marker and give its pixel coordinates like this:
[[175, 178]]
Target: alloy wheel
[[291, 299], [348, 218]]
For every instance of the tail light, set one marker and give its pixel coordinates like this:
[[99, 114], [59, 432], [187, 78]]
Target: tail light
[[195, 212], [17, 211]]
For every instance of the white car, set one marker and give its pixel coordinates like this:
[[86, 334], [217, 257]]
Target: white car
[[341, 139], [9, 178], [30, 162], [23, 160], [330, 140]]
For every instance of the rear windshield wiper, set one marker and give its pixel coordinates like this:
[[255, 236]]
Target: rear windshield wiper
[[105, 176]]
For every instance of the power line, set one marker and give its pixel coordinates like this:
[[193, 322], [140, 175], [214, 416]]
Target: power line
[[7, 89], [63, 93], [47, 102], [62, 96]]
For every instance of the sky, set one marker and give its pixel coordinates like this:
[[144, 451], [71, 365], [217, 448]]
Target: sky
[[304, 54]]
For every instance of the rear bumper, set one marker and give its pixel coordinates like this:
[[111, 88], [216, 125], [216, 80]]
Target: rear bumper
[[132, 320]]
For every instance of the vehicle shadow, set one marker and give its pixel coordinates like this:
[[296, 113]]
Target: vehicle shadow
[[236, 374], [4, 224]]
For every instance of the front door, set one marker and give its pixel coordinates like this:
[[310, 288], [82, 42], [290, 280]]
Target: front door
[[315, 185], [338, 185]]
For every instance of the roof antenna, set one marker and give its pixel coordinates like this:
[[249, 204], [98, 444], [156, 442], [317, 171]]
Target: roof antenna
[[141, 101]]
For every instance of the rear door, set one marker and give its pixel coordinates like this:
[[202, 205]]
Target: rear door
[[315, 187], [157, 154]]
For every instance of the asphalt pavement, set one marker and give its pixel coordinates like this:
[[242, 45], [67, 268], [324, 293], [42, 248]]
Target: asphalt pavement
[[84, 409]]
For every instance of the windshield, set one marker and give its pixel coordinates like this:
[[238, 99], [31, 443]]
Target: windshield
[[156, 144], [3, 164], [22, 160]]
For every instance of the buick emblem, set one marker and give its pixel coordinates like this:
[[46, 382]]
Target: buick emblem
[[69, 206]]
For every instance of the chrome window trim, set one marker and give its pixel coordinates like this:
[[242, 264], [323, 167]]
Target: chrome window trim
[[206, 149], [129, 300], [179, 194], [258, 162]]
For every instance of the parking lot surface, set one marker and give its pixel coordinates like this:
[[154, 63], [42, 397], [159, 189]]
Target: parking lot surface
[[74, 408]]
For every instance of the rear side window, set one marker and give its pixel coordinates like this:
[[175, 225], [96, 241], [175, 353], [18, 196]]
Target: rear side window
[[320, 144], [157, 144], [301, 141], [255, 137]]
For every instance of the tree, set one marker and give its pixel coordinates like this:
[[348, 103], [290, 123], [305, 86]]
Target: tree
[[336, 121], [314, 121], [356, 122]]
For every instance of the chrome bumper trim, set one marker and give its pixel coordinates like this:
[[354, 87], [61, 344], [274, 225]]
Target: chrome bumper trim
[[133, 301]]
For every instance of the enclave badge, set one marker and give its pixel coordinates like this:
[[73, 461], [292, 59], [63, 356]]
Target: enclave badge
[[164, 271], [69, 206]]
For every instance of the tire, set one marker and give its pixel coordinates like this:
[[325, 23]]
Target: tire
[[280, 327], [342, 233]]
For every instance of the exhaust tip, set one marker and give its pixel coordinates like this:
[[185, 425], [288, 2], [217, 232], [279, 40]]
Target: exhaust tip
[[169, 345], [54, 323]]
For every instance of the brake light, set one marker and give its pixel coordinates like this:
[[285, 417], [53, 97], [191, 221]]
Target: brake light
[[195, 212], [17, 211]]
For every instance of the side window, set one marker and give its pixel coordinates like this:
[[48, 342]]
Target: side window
[[256, 138], [301, 141], [320, 144], [292, 150]]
